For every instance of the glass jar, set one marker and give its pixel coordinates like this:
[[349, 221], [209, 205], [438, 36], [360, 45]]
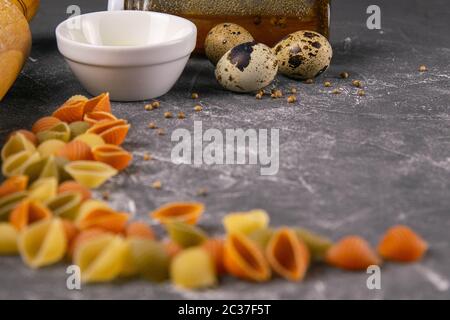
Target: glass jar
[[267, 20]]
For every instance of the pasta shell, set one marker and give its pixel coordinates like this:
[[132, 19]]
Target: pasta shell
[[193, 269], [172, 248], [317, 244], [44, 124], [43, 168], [288, 255], [352, 253], [99, 103], [246, 222], [76, 150], [97, 116], [113, 155], [28, 212], [400, 243], [83, 236], [146, 258], [70, 112], [43, 243], [139, 229], [101, 259], [65, 205], [27, 134], [185, 235], [78, 128], [16, 144], [61, 131], [214, 247], [77, 98], [73, 186], [8, 239], [92, 140], [16, 164], [103, 218], [9, 202], [112, 132], [261, 237], [243, 259], [13, 185], [43, 189], [186, 212], [91, 174], [50, 147]]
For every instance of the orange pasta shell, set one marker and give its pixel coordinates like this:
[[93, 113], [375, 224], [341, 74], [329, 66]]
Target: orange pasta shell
[[76, 150], [139, 229], [186, 212], [13, 185], [99, 103], [401, 243], [215, 248], [44, 124], [112, 132], [352, 253], [243, 259], [113, 155], [27, 212], [106, 219], [73, 186], [288, 255], [97, 116], [70, 112]]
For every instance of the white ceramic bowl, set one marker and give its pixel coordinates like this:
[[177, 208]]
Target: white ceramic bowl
[[133, 55]]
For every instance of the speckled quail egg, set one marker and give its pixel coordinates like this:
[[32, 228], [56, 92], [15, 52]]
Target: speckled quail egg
[[247, 67], [303, 55], [224, 37]]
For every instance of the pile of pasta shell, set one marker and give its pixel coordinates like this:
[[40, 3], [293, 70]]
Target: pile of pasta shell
[[49, 216]]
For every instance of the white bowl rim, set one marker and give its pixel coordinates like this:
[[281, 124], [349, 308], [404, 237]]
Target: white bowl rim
[[61, 37]]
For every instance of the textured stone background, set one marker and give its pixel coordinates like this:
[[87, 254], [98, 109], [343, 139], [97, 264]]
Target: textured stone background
[[349, 164]]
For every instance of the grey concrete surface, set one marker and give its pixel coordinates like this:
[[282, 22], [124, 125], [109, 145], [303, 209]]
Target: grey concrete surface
[[348, 164]]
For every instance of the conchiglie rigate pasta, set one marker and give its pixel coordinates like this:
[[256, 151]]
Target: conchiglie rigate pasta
[[91, 174], [13, 184], [43, 243], [112, 132], [185, 235], [8, 239], [15, 144], [28, 212], [101, 258], [186, 212], [246, 222]]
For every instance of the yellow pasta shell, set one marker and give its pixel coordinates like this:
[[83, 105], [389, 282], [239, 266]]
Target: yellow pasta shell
[[50, 147], [91, 174], [193, 269], [15, 144], [61, 131], [65, 205], [16, 164], [43, 243], [43, 168], [8, 239], [91, 139], [246, 222], [43, 189], [101, 258]]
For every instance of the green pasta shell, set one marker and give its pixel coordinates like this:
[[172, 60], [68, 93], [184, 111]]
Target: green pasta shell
[[62, 173], [17, 143], [148, 259], [15, 164], [44, 168], [317, 244], [261, 237], [78, 128], [65, 205], [185, 235], [8, 203], [193, 268], [61, 131]]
